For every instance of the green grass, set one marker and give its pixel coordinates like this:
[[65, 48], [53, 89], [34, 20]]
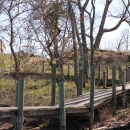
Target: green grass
[[37, 89]]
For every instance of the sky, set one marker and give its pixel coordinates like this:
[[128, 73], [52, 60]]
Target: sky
[[107, 39]]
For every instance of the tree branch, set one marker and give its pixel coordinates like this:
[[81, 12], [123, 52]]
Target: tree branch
[[124, 18]]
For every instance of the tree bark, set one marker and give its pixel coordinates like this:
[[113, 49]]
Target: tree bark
[[100, 31], [83, 36], [11, 47], [74, 46]]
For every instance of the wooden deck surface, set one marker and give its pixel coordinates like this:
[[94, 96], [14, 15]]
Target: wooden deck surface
[[77, 105]]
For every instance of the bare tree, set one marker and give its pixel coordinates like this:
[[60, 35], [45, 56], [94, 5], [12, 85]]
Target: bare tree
[[51, 27], [122, 41], [12, 10], [123, 17], [1, 4], [126, 35], [83, 34], [72, 18], [95, 24]]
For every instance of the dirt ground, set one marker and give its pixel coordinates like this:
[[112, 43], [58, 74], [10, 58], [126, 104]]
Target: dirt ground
[[42, 124], [122, 118]]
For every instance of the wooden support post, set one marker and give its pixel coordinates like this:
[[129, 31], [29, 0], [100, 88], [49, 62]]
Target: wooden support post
[[123, 80], [62, 106], [104, 79], [107, 73], [16, 95], [99, 75], [19, 126], [53, 89], [120, 75], [43, 68], [88, 71], [128, 74], [114, 86], [92, 86], [68, 75], [123, 89], [81, 69]]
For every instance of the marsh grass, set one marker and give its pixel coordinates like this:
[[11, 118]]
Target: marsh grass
[[37, 91]]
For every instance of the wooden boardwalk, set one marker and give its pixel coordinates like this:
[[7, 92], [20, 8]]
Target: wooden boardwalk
[[78, 106]]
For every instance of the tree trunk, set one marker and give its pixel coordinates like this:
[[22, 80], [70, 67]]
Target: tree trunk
[[101, 27], [74, 46], [56, 52], [12, 50], [84, 43]]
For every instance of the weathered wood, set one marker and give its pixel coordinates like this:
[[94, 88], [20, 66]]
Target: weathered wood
[[99, 75], [88, 71], [124, 89], [80, 104], [92, 86], [43, 68], [73, 106], [11, 119], [19, 125], [36, 111], [8, 113], [107, 73], [68, 72], [128, 74], [81, 69], [114, 86], [104, 79], [62, 106], [86, 114], [53, 89], [120, 75], [16, 104], [123, 80]]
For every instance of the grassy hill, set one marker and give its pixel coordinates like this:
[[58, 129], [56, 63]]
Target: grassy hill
[[38, 88]]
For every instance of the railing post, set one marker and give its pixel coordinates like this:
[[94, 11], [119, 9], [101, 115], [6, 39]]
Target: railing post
[[104, 79], [62, 106], [128, 73], [53, 89], [120, 75], [81, 68], [19, 126], [68, 67], [16, 95], [88, 71], [123, 89], [43, 68], [114, 86], [99, 75], [107, 73], [92, 86]]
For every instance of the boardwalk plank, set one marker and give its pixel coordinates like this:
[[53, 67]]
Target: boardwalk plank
[[78, 105]]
